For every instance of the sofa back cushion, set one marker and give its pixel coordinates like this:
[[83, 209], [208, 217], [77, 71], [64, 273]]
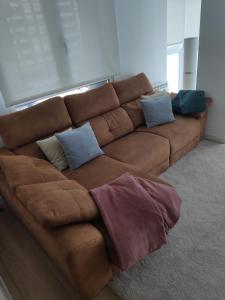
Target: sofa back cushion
[[26, 126], [135, 112], [111, 125], [85, 106], [31, 149], [102, 108], [132, 88]]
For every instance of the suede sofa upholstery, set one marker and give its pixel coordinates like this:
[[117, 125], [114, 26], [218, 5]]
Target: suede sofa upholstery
[[27, 126], [45, 199], [79, 248], [179, 134], [108, 120], [141, 150]]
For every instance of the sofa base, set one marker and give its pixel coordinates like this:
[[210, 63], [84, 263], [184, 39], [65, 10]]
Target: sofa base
[[90, 255], [160, 168], [186, 149]]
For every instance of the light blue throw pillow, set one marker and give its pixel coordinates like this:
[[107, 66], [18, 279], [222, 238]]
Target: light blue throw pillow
[[157, 110], [79, 145]]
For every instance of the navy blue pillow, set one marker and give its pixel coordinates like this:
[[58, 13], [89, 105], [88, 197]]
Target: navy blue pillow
[[188, 102]]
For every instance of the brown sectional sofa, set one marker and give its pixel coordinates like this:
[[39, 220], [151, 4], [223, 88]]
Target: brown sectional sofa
[[78, 249]]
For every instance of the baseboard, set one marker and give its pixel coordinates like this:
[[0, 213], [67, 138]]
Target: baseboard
[[215, 138]]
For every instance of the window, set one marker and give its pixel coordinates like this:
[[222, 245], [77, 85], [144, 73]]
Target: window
[[50, 46], [174, 67], [77, 90], [26, 61]]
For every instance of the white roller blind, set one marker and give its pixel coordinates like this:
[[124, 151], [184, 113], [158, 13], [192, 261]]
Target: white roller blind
[[51, 45]]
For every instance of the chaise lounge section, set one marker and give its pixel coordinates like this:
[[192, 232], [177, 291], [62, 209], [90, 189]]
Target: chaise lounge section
[[78, 248]]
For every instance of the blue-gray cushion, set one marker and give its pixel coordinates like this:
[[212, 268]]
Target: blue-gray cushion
[[188, 102], [157, 110], [79, 145]]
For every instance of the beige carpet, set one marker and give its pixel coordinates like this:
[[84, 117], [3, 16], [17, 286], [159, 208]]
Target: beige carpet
[[192, 265]]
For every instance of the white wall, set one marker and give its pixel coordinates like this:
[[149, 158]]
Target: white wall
[[3, 109], [211, 65], [175, 21], [183, 20], [141, 27], [192, 18]]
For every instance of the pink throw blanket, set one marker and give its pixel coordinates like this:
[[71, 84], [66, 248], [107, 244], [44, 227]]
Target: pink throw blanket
[[137, 214]]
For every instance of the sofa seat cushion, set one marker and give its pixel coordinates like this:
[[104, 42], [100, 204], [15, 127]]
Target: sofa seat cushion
[[57, 203], [22, 170], [140, 150], [98, 171], [179, 133]]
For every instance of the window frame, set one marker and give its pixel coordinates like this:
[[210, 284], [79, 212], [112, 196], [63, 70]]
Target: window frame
[[177, 48], [75, 90]]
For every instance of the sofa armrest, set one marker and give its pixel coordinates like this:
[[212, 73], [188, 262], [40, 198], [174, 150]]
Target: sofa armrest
[[202, 117], [203, 114], [83, 247]]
